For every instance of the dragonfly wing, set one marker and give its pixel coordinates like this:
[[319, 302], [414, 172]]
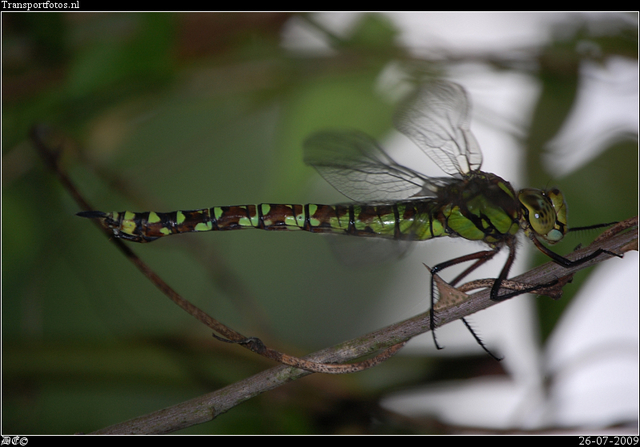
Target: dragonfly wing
[[437, 120], [354, 164], [358, 252]]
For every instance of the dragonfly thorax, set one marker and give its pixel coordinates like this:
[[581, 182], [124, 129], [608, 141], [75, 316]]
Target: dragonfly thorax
[[545, 213], [480, 207]]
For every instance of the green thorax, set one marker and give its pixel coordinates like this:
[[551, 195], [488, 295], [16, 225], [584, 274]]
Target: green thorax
[[480, 207]]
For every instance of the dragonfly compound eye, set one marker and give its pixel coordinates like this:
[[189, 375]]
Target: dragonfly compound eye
[[559, 205], [541, 213]]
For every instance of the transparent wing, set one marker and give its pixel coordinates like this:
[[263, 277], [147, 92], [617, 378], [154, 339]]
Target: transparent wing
[[354, 164], [437, 120], [358, 252]]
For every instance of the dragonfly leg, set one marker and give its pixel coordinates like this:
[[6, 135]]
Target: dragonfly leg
[[521, 291], [504, 273], [564, 262], [480, 258], [479, 341]]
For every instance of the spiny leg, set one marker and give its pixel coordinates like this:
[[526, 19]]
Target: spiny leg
[[480, 257], [479, 340]]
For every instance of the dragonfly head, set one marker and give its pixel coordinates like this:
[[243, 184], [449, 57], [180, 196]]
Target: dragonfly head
[[545, 213]]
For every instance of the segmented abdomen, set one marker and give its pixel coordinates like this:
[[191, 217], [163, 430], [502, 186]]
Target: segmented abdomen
[[412, 220]]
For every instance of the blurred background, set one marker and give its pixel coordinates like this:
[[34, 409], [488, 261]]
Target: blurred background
[[183, 111]]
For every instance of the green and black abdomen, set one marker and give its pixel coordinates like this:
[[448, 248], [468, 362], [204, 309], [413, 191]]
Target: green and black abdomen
[[396, 221]]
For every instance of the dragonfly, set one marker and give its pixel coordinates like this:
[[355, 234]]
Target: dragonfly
[[393, 201]]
